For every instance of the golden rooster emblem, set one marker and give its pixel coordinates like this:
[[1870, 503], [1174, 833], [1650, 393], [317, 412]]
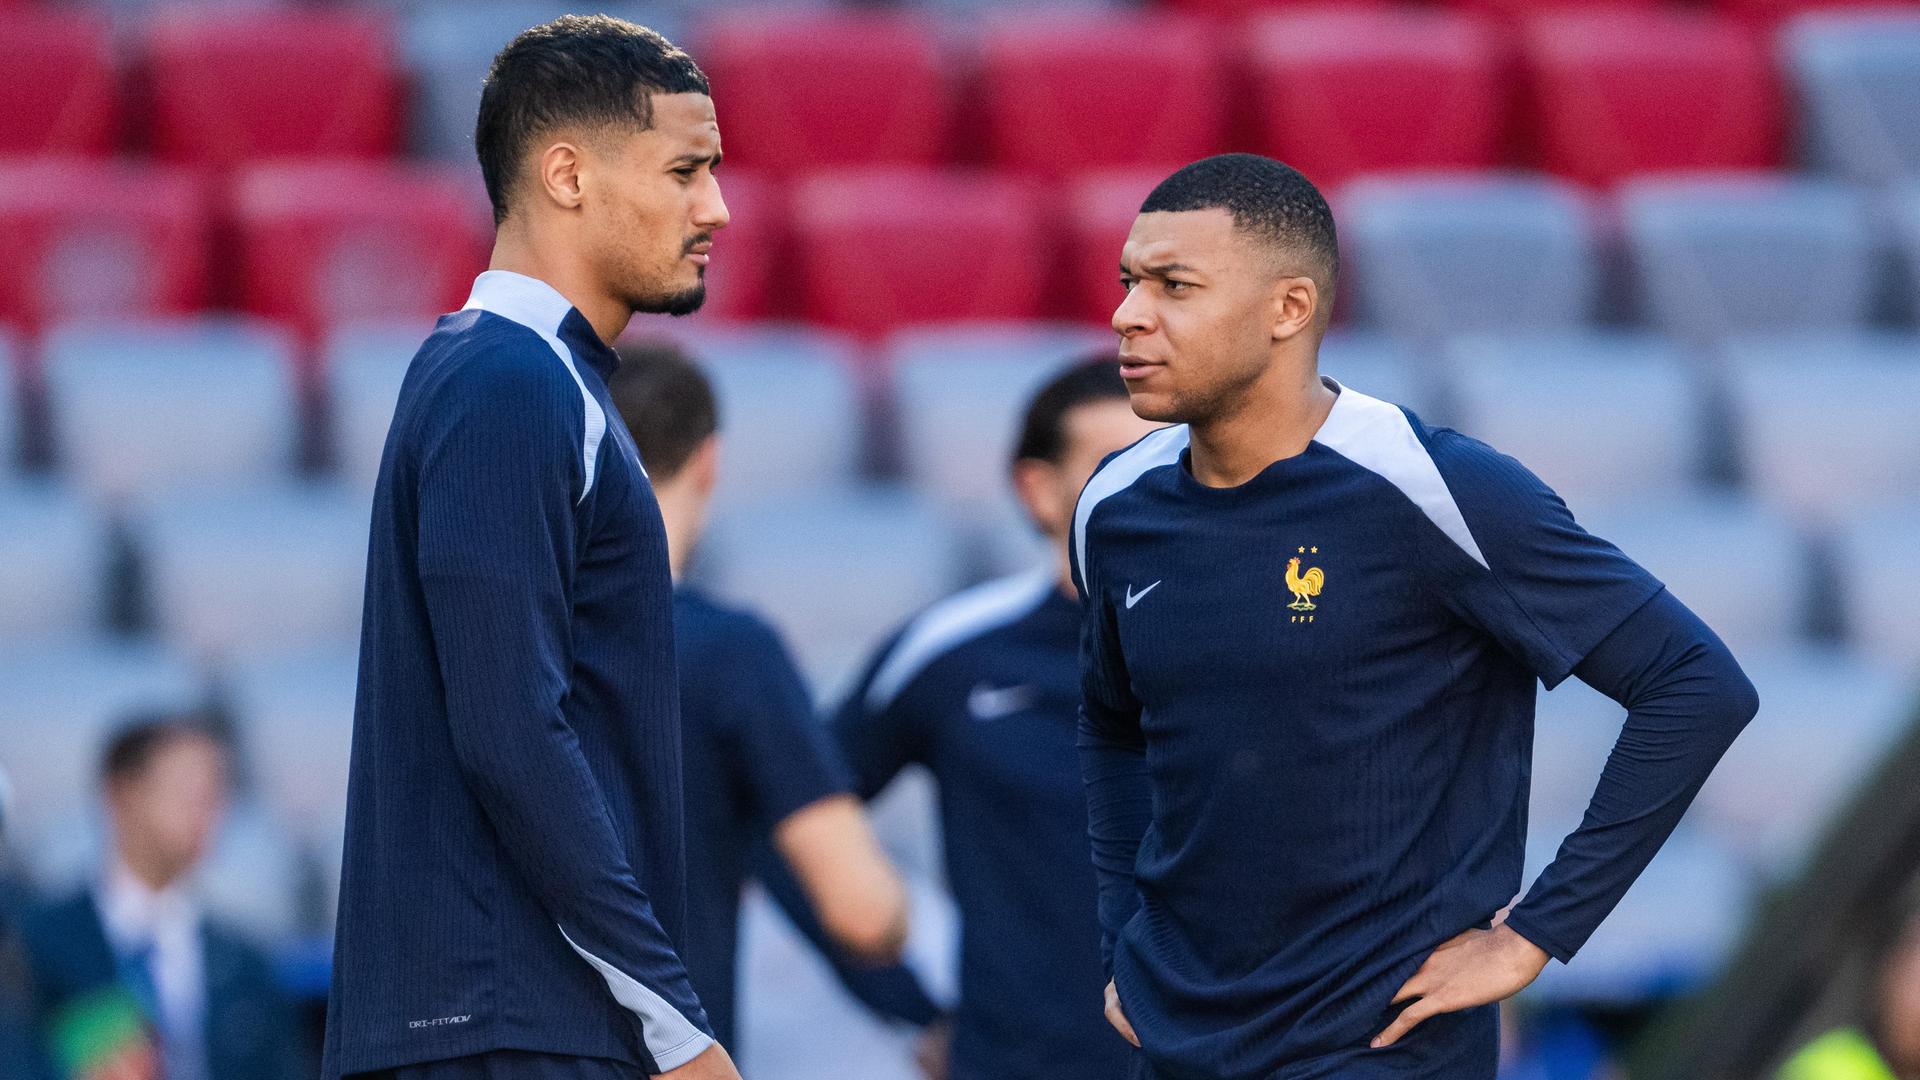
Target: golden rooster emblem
[[1304, 585]]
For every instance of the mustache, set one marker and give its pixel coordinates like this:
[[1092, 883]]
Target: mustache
[[695, 241]]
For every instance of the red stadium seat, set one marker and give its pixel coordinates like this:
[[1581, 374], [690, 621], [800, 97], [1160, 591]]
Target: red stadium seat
[[875, 249], [88, 239], [812, 90], [1236, 10], [1099, 212], [1069, 93], [1618, 92], [1344, 92], [1514, 11], [1768, 14], [739, 284], [58, 92], [330, 242], [230, 88]]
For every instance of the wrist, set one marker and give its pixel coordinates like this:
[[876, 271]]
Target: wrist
[[1518, 950]]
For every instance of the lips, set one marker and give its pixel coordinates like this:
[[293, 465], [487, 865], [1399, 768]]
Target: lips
[[1136, 368]]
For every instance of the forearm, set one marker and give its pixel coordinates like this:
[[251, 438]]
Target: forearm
[[836, 858], [1686, 700], [1119, 808]]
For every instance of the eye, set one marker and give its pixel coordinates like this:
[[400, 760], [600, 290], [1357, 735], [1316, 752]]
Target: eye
[[1127, 284], [686, 174], [1177, 287]]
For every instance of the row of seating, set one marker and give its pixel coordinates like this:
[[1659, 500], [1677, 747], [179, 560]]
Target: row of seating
[[1426, 255], [1596, 94], [1818, 425]]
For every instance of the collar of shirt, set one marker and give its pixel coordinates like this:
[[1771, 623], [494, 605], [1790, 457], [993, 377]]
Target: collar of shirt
[[138, 916], [539, 306]]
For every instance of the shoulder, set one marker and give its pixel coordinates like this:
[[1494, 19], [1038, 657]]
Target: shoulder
[[715, 630], [950, 624], [1121, 471], [480, 352]]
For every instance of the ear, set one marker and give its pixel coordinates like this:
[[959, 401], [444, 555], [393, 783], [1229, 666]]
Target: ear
[[703, 468], [560, 167], [1296, 306], [1034, 482]]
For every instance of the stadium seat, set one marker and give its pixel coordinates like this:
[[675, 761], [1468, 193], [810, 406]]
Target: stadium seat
[[877, 249], [1709, 254], [959, 393], [1733, 561], [791, 408], [1867, 454], [237, 575], [295, 715], [1904, 202], [325, 242], [1063, 92], [61, 701], [1100, 210], [1614, 92], [53, 565], [449, 47], [85, 239], [13, 421], [59, 91], [1825, 719], [363, 366], [231, 87], [834, 571], [1381, 366], [741, 282], [1769, 15], [1345, 91], [809, 89], [1599, 417], [1514, 12], [1857, 78], [1879, 562], [254, 879], [1235, 12], [142, 408], [1436, 256]]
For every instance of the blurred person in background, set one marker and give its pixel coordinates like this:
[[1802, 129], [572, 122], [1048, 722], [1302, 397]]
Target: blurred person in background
[[1313, 631], [20, 1054], [134, 979], [1887, 1045], [757, 765], [983, 689], [513, 892]]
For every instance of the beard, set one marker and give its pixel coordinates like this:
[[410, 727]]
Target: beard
[[685, 302]]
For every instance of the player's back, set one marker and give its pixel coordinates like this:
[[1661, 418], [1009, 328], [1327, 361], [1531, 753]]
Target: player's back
[[443, 948]]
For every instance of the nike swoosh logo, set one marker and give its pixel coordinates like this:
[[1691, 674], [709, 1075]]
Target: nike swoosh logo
[[991, 703], [1134, 598]]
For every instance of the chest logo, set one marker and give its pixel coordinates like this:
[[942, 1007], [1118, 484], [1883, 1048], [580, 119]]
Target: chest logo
[[986, 702], [1135, 597], [1304, 585]]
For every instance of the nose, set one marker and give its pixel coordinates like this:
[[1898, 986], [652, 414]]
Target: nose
[[1134, 316], [710, 213]]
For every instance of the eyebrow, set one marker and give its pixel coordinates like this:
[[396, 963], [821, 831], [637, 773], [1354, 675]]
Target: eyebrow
[[1159, 270], [713, 159]]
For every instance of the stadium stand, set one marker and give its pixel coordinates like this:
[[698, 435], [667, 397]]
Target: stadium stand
[[744, 282], [1064, 93], [59, 87], [1346, 91], [89, 239], [1099, 210], [1879, 560], [13, 437], [1858, 81], [363, 366], [1383, 367], [56, 557]]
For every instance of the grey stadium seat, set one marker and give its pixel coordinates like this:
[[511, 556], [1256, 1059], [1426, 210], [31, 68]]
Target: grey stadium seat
[[835, 571], [53, 565], [1711, 255], [790, 410], [140, 409], [1858, 80], [60, 703], [1599, 417], [1732, 560], [1444, 254], [1826, 718], [1825, 423], [249, 573], [364, 368], [1879, 564], [959, 394], [1379, 365], [12, 423]]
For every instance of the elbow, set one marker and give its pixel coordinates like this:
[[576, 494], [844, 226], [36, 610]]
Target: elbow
[[871, 928], [1736, 700]]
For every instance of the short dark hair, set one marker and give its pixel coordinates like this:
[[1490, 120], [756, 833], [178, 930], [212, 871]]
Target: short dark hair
[[577, 69], [141, 738], [1043, 432], [667, 402], [1268, 199]]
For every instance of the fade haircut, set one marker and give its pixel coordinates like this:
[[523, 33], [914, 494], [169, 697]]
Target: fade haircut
[[1043, 432], [586, 70], [667, 402], [1269, 200], [141, 738]]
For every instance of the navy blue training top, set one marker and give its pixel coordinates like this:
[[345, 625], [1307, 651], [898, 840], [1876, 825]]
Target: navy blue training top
[[755, 753], [983, 689], [513, 875], [1307, 734]]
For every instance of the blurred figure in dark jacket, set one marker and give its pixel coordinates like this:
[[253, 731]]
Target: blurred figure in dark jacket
[[19, 1050], [1887, 1045], [133, 979]]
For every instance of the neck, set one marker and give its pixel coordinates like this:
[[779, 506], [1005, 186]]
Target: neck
[[681, 512], [1063, 567], [156, 874], [1275, 419], [517, 250]]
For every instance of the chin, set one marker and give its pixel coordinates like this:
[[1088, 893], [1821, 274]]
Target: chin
[[685, 302], [1155, 407]]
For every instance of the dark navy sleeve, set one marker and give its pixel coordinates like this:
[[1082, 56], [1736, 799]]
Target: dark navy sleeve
[[501, 473], [1515, 563], [877, 738], [1686, 700], [780, 747], [1113, 761]]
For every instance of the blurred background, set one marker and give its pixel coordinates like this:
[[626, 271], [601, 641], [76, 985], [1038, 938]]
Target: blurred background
[[1666, 254]]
